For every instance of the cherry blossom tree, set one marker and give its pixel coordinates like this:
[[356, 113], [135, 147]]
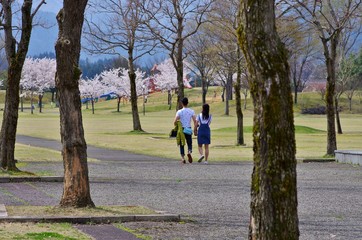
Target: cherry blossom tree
[[91, 89], [165, 78], [37, 76], [117, 81]]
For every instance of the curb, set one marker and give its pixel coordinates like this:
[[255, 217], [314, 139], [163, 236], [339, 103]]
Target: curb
[[319, 160], [97, 220], [31, 179], [3, 212]]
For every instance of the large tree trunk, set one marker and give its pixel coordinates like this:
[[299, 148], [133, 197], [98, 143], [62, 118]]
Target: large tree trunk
[[274, 212], [16, 61], [10, 119], [76, 191], [330, 56], [239, 112]]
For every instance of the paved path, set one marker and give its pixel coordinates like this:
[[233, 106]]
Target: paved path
[[106, 232], [216, 197]]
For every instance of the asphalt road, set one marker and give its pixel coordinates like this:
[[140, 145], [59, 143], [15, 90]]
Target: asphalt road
[[213, 199]]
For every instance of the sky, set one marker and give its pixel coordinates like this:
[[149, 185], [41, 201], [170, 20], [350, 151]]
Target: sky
[[51, 6], [40, 44]]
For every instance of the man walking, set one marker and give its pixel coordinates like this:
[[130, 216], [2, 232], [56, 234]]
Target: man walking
[[185, 115]]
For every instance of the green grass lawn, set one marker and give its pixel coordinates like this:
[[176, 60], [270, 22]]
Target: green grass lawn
[[41, 231], [111, 129]]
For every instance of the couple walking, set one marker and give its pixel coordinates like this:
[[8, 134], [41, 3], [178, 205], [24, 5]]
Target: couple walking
[[201, 129]]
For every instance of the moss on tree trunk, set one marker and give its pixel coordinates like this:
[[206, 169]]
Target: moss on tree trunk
[[273, 212]]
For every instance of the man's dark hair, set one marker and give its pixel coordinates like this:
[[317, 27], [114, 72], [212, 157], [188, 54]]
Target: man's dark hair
[[185, 101]]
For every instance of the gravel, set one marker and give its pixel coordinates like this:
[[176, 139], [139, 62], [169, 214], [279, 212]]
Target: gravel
[[214, 199]]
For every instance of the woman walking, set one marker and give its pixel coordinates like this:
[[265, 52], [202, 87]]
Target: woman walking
[[203, 121]]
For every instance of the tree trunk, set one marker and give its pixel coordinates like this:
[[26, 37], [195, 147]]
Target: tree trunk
[[229, 92], [169, 99], [239, 112], [16, 61], [40, 102], [92, 101], [118, 104], [10, 119], [330, 56], [76, 191], [229, 86], [295, 82], [274, 212], [180, 66], [31, 103], [227, 106], [21, 101], [245, 98], [132, 78], [53, 94], [339, 126], [204, 88]]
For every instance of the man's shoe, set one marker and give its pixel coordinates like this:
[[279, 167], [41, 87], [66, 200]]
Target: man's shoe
[[189, 157]]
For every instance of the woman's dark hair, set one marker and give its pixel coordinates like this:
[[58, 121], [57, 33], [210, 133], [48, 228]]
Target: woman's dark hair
[[205, 111]]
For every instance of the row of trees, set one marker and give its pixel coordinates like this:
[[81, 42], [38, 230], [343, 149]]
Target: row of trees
[[136, 26], [91, 68], [38, 76], [181, 29], [115, 82]]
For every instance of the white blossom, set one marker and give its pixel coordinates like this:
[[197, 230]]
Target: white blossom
[[38, 75]]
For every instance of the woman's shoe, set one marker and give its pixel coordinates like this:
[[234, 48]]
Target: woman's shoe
[[201, 158]]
